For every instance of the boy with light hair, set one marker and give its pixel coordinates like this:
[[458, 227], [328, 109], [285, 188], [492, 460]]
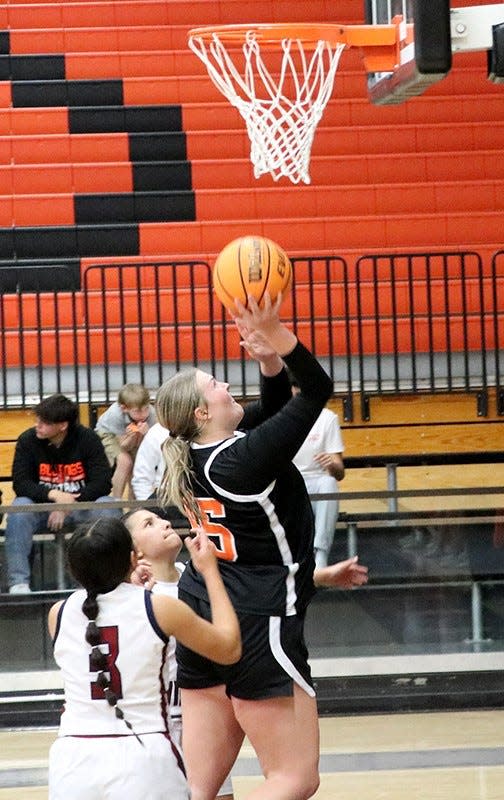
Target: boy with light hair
[[121, 428]]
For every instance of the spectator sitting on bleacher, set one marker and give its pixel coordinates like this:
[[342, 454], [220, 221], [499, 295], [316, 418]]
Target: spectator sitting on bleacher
[[57, 461], [122, 428]]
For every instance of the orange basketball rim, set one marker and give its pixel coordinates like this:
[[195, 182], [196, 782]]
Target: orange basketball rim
[[380, 44]]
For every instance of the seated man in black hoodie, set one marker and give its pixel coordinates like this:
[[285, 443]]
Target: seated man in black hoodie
[[57, 461]]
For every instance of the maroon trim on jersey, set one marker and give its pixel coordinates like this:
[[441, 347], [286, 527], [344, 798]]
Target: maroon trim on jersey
[[177, 754], [58, 620], [152, 619], [163, 689]]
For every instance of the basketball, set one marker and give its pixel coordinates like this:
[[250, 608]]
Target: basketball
[[251, 265]]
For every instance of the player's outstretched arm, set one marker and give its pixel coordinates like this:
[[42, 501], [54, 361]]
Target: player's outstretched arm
[[218, 640], [348, 574]]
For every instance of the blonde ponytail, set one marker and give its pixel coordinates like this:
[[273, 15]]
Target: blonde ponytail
[[176, 401]]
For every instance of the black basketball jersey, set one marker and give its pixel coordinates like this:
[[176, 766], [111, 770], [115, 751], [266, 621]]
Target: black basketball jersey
[[254, 501]]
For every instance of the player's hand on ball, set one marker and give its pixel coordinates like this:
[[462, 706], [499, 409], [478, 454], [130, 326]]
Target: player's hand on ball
[[254, 343], [255, 317]]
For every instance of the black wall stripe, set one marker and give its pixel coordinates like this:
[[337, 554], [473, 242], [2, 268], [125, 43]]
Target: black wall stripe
[[130, 119], [161, 176], [4, 42], [60, 274], [71, 241], [157, 146], [32, 68], [138, 207], [47, 94]]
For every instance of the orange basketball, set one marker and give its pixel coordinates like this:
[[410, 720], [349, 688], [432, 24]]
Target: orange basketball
[[251, 265]]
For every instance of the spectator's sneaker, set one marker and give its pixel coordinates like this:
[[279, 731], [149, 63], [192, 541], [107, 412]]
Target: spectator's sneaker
[[19, 588]]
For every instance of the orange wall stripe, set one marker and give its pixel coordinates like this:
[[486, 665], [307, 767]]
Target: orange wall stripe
[[5, 94], [49, 209]]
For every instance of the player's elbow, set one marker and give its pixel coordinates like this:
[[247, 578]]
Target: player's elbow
[[230, 650]]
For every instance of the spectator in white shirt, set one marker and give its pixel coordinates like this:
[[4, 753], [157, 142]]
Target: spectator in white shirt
[[320, 462], [149, 464]]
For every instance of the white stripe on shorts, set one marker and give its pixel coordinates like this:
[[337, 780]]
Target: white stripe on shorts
[[282, 657]]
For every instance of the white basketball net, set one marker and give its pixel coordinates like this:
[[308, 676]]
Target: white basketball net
[[280, 126]]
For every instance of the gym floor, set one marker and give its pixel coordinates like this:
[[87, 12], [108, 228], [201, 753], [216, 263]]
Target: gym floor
[[414, 756]]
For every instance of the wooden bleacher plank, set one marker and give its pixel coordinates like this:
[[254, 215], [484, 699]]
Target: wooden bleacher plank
[[420, 408], [402, 439], [13, 422]]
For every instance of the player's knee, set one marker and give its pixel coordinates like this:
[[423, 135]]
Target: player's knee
[[303, 782], [312, 783]]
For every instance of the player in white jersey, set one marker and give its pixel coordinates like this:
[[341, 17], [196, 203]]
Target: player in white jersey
[[110, 642], [158, 545]]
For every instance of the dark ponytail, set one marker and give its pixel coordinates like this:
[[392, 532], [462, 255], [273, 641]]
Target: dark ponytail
[[98, 659], [99, 558]]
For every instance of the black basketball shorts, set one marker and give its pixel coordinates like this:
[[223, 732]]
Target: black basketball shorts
[[274, 657]]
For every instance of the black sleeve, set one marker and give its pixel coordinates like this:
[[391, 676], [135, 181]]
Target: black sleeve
[[96, 466], [275, 393], [25, 470], [257, 457]]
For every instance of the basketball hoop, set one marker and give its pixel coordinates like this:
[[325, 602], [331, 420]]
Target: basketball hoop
[[281, 77]]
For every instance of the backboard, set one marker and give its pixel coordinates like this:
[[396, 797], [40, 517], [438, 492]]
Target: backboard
[[425, 54]]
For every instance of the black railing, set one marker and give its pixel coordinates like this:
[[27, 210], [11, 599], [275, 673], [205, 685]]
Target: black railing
[[392, 323], [423, 325], [39, 324]]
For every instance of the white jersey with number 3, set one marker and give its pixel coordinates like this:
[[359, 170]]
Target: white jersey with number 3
[[136, 651]]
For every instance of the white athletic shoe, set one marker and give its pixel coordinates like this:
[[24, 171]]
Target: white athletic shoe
[[20, 588]]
